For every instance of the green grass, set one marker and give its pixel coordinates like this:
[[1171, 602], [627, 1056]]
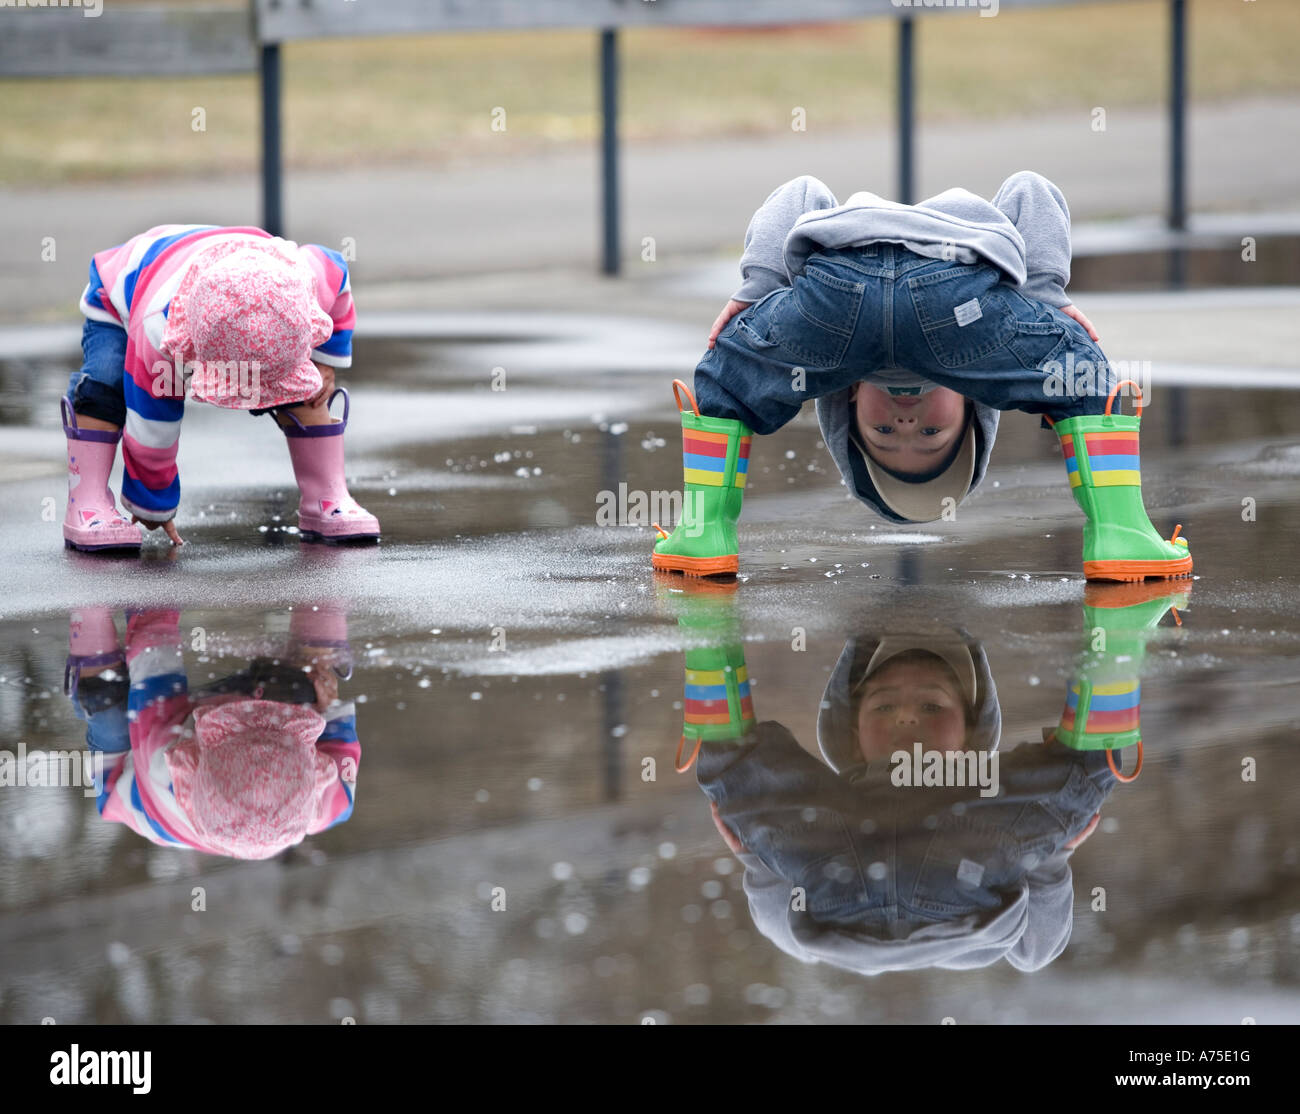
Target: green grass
[[429, 99]]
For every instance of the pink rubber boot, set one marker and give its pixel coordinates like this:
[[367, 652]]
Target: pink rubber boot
[[320, 631], [326, 512], [92, 642], [92, 521]]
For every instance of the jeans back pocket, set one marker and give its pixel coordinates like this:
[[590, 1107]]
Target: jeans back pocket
[[963, 316], [816, 322], [966, 867]]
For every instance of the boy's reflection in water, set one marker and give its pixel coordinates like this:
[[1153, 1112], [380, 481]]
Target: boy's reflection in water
[[845, 866]]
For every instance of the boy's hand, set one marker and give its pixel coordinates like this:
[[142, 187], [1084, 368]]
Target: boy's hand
[[728, 837], [1092, 827], [327, 385], [169, 528], [1077, 314], [729, 311]]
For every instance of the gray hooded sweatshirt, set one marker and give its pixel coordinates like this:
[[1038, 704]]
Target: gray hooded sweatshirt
[[1024, 231]]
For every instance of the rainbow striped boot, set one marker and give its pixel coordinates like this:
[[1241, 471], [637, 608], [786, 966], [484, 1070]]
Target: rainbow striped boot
[[717, 706], [1103, 699], [715, 460], [1103, 463]]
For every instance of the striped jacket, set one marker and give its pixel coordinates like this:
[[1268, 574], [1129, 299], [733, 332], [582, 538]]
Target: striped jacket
[[136, 788], [130, 288]]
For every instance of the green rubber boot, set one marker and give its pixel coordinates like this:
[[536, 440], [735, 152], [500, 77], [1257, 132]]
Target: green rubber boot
[[715, 459], [1103, 699], [1103, 464], [717, 706]]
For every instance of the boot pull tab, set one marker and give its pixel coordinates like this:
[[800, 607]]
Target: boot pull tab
[[291, 416], [347, 405], [347, 402], [680, 388], [677, 762], [1121, 778], [1138, 403]]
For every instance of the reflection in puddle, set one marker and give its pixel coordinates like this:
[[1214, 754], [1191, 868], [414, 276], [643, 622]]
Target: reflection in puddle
[[244, 766], [523, 849], [911, 842]]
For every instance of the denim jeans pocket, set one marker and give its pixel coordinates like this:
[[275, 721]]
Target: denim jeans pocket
[[1066, 810], [750, 332], [751, 323], [962, 314], [815, 854], [832, 884], [816, 322], [1037, 344], [965, 865]]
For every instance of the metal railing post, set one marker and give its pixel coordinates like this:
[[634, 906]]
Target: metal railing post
[[272, 185], [1178, 114], [906, 111], [609, 151]]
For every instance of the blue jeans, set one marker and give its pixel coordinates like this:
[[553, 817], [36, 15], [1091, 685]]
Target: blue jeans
[[859, 310], [96, 390], [101, 705], [885, 858]]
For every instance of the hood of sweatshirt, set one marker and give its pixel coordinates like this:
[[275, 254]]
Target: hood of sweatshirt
[[835, 415]]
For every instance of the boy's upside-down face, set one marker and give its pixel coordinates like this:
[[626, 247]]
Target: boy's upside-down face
[[910, 435]]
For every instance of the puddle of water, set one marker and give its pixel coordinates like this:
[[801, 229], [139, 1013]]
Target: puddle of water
[[482, 820]]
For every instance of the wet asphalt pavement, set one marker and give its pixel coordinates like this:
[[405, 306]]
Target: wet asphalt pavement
[[520, 847]]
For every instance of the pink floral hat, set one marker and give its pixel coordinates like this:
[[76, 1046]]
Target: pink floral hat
[[251, 779], [246, 312]]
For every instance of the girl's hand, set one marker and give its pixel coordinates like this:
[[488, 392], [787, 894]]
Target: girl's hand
[[1077, 314], [169, 528], [729, 311], [326, 683], [327, 386]]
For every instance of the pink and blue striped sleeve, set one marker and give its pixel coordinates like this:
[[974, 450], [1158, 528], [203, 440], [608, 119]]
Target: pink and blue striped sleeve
[[151, 485], [339, 741], [334, 293], [158, 699], [106, 268]]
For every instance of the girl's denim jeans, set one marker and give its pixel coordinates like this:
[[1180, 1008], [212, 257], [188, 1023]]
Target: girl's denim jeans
[[96, 390]]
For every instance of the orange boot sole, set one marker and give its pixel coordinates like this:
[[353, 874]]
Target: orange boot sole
[[728, 565], [1130, 572]]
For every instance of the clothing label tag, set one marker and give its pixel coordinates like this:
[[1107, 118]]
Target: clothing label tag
[[968, 312], [970, 873]]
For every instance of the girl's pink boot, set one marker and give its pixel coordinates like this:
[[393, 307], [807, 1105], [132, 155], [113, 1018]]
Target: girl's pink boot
[[320, 633], [326, 512], [92, 643], [92, 521]]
